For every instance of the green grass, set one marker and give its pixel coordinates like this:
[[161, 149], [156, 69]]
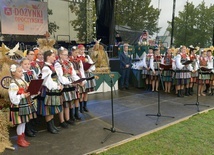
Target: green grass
[[194, 136]]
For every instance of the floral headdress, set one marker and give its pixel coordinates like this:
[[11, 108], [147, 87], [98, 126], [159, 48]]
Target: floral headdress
[[13, 68]]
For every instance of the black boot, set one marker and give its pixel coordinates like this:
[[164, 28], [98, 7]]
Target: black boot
[[50, 128], [212, 92], [32, 124], [182, 93], [147, 87], [53, 125], [64, 125], [186, 91], [76, 115], [72, 118], [28, 131], [85, 106], [189, 91], [81, 108], [150, 87], [207, 88], [179, 93]]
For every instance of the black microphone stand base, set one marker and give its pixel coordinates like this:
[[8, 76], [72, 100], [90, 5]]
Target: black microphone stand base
[[158, 115], [113, 130], [197, 104]]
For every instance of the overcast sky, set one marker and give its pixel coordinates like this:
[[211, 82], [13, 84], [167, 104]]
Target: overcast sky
[[166, 7]]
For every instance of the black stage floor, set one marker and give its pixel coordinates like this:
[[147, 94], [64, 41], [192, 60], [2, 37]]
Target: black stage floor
[[130, 109]]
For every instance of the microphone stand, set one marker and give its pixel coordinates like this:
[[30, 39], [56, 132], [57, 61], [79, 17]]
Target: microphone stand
[[158, 115], [197, 101], [112, 129]]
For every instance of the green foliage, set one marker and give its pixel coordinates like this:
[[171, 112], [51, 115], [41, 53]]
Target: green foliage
[[138, 15], [79, 24], [52, 26], [194, 25], [193, 136]]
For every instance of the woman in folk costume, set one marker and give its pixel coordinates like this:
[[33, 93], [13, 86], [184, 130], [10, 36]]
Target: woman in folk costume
[[40, 59], [167, 73], [182, 72], [78, 67], [204, 76], [28, 75], [210, 66], [155, 69], [146, 69], [21, 109], [52, 97], [90, 85], [194, 58], [67, 75], [30, 56]]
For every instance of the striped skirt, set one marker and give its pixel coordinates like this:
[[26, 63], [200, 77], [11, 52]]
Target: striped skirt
[[53, 98], [167, 75], [22, 113], [46, 110], [51, 103], [182, 75], [91, 83], [203, 78], [68, 93], [145, 73]]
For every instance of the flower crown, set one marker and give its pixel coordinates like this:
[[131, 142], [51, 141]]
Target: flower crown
[[61, 48], [13, 68]]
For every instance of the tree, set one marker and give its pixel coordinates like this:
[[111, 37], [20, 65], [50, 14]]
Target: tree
[[193, 26], [138, 15], [79, 24]]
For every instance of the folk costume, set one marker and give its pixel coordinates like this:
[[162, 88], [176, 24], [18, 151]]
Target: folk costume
[[210, 66], [50, 100], [167, 72], [90, 84], [22, 108], [78, 67], [146, 70], [155, 70], [40, 64], [182, 74], [34, 66], [52, 95], [67, 75], [204, 75], [28, 76], [194, 73]]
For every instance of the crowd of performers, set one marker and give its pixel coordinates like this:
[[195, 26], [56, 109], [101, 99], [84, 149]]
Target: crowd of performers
[[180, 72], [60, 93]]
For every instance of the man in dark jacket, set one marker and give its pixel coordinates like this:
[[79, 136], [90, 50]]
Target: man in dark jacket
[[125, 67]]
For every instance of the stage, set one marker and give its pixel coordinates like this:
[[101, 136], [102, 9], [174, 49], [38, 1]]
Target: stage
[[130, 109]]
